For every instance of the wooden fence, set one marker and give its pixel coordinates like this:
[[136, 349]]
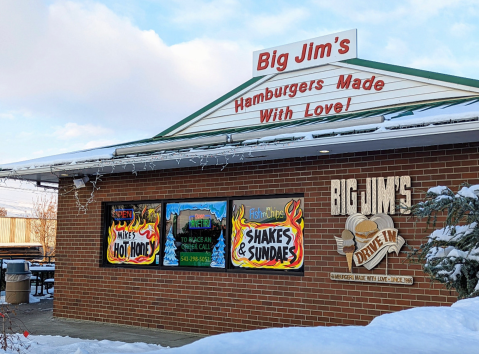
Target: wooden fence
[[17, 230], [17, 239]]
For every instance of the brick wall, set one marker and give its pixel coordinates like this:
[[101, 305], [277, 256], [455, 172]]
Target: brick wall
[[207, 302]]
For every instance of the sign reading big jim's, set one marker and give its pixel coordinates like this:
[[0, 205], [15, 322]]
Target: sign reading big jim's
[[379, 195], [298, 96], [305, 54], [366, 241]]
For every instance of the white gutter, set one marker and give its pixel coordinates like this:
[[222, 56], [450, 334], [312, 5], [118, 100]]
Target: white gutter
[[383, 140], [214, 140]]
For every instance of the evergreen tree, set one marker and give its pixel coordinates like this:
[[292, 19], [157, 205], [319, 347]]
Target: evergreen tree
[[170, 255], [451, 254], [218, 256]]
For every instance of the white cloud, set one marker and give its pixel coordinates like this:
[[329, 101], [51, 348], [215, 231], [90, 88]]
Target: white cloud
[[17, 197], [12, 114], [443, 59], [38, 153], [75, 74], [7, 115], [461, 29], [396, 47], [99, 143], [282, 22], [205, 13], [74, 130], [430, 8], [84, 61], [378, 11]]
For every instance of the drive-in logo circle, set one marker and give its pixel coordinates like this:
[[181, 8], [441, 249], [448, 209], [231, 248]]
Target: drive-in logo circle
[[367, 241]]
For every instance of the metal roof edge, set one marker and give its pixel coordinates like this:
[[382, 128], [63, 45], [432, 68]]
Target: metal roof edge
[[413, 72], [279, 125], [420, 132], [209, 106]]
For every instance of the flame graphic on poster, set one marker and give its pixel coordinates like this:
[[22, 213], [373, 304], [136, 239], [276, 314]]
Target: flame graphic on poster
[[144, 245], [295, 254]]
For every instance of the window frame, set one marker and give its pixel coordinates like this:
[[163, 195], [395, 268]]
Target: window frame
[[106, 224], [229, 268], [294, 272], [226, 236]]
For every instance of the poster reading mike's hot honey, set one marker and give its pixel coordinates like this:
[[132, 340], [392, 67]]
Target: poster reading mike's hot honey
[[133, 234], [268, 233]]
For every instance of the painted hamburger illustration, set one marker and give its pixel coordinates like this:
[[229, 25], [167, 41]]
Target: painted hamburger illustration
[[364, 232], [359, 231]]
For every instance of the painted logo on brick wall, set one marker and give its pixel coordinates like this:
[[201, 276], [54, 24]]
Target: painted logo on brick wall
[[367, 241]]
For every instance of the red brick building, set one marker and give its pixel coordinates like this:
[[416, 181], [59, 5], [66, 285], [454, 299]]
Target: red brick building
[[245, 214]]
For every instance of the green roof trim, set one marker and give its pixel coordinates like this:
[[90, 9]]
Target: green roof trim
[[209, 106], [413, 72], [332, 118], [359, 62]]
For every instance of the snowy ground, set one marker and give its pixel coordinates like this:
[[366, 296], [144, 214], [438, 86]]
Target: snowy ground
[[421, 330]]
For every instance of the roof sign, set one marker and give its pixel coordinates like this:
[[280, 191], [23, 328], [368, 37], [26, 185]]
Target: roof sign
[[305, 54]]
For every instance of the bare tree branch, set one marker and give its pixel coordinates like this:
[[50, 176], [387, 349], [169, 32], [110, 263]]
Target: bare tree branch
[[44, 228]]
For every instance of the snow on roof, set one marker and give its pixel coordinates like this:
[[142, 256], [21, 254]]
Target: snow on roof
[[68, 158], [380, 127], [430, 115]]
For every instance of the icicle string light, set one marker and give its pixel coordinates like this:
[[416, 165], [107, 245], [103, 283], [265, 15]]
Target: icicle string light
[[229, 155]]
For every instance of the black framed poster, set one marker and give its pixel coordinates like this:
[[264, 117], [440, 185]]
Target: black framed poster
[[195, 234], [133, 233], [268, 234]]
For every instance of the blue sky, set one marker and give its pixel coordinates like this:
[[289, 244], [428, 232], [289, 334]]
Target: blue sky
[[82, 74]]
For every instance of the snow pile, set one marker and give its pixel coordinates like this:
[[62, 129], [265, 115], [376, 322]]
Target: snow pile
[[455, 233], [443, 192], [436, 330], [438, 190], [451, 253], [67, 345], [452, 329], [469, 192]]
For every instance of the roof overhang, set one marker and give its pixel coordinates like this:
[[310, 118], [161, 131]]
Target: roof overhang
[[427, 135]]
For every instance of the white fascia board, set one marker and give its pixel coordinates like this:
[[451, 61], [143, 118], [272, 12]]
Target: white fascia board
[[413, 137], [219, 105], [408, 77]]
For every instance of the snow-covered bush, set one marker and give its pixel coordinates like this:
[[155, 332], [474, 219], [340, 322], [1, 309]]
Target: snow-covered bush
[[451, 254]]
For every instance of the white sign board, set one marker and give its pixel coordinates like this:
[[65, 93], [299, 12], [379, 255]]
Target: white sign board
[[305, 54], [373, 278]]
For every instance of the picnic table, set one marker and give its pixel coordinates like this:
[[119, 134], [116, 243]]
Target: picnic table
[[42, 273]]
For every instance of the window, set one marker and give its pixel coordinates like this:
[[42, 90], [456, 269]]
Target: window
[[195, 234], [250, 234], [132, 234], [267, 234]]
